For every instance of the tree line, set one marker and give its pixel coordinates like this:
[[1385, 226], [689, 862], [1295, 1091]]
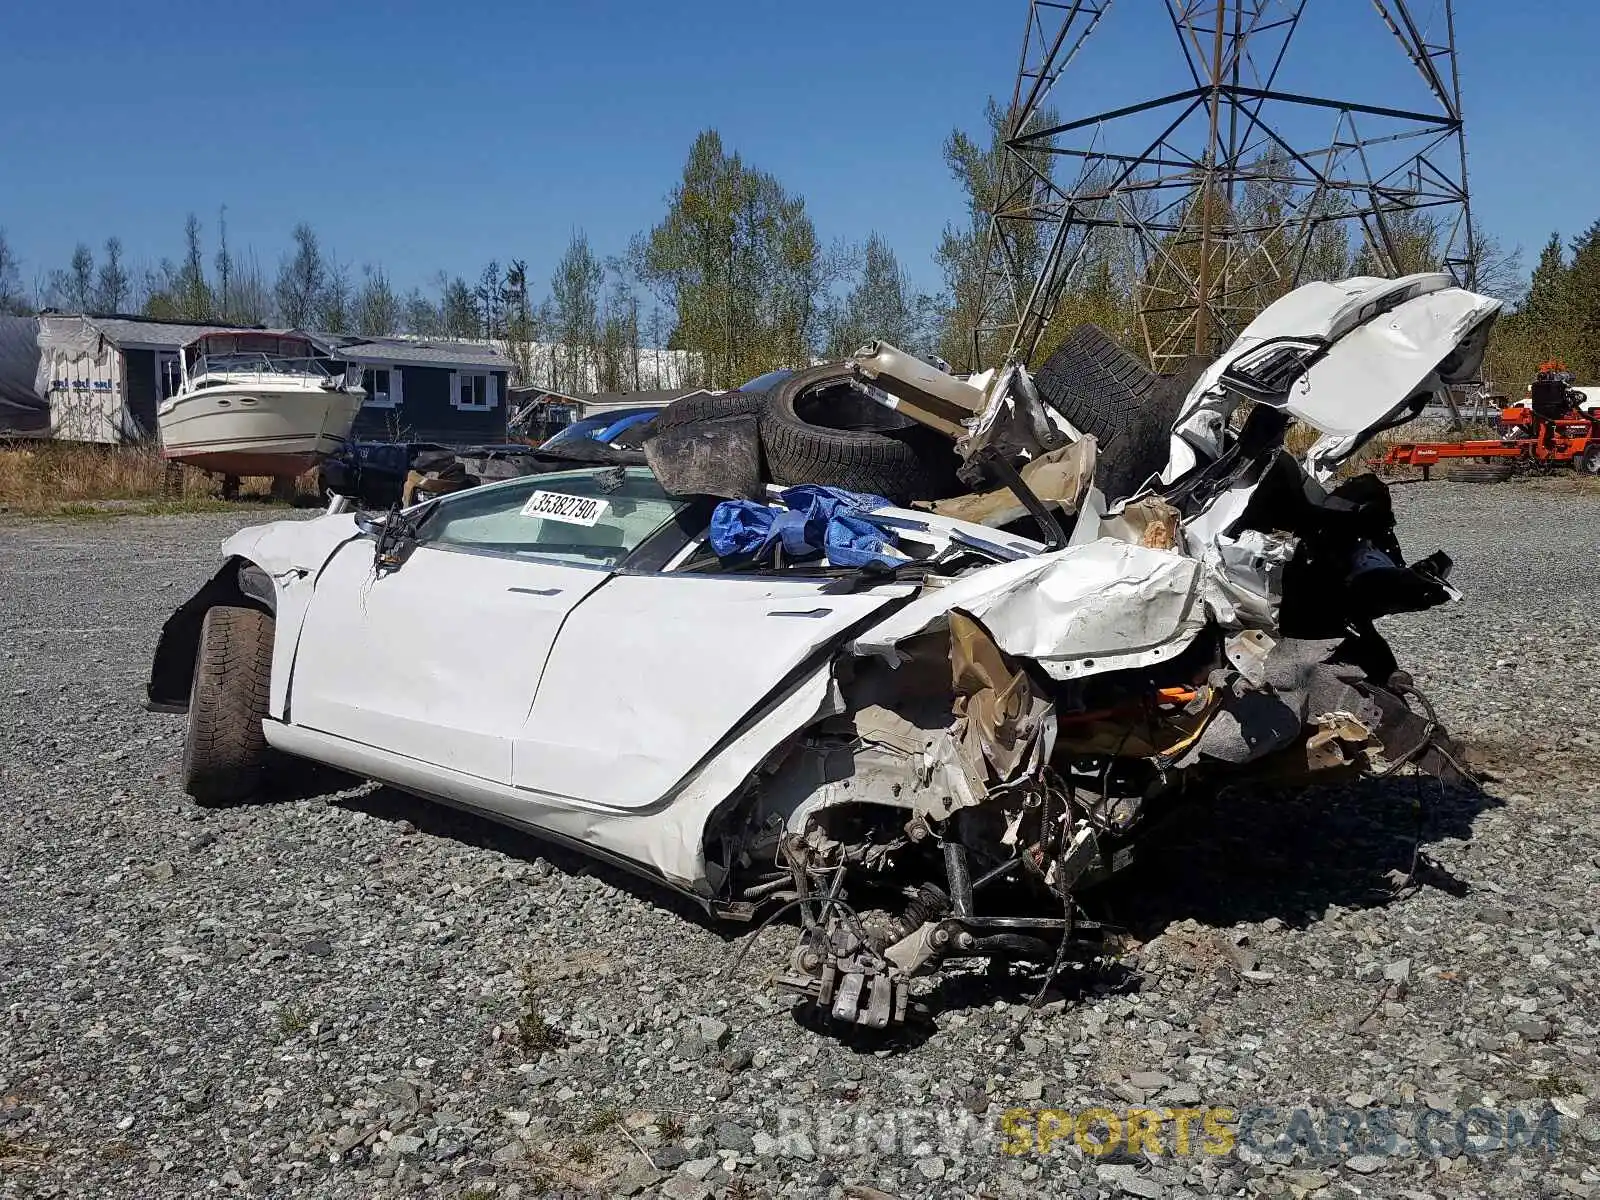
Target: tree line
[[735, 274]]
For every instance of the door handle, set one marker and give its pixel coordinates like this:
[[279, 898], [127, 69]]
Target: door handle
[[535, 591], [805, 612]]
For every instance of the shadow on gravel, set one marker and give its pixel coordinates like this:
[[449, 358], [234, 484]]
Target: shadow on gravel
[[1245, 855], [1251, 854], [441, 820]]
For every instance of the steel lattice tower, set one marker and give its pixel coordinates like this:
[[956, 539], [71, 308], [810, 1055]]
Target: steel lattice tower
[[1215, 195]]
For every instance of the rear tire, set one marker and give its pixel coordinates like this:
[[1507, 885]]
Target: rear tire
[[224, 748], [818, 429], [1477, 472], [1589, 461]]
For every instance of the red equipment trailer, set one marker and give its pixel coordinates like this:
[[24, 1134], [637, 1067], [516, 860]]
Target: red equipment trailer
[[1551, 431]]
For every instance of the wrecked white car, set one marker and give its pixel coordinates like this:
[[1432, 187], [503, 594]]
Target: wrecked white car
[[925, 728]]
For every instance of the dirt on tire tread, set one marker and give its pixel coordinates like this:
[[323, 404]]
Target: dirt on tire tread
[[224, 746]]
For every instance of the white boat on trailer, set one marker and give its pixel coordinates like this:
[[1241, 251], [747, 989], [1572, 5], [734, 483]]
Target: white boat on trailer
[[257, 402]]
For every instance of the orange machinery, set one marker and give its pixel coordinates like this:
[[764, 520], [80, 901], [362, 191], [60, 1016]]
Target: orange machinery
[[1551, 430]]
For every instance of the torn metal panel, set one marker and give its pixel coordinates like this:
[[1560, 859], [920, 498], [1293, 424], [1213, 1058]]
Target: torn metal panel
[[1079, 611], [1061, 477], [1342, 357]]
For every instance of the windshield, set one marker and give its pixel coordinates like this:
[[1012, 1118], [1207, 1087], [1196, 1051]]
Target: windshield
[[594, 517], [257, 362]]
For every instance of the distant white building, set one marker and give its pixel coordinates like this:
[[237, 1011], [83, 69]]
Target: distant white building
[[576, 370]]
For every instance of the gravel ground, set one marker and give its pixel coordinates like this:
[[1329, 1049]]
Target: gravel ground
[[358, 994]]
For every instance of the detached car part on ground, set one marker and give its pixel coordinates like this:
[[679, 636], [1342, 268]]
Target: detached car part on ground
[[926, 734]]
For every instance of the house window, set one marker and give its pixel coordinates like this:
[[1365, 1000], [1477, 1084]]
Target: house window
[[382, 385], [473, 392]]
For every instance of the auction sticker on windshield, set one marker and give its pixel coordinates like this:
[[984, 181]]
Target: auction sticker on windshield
[[557, 506]]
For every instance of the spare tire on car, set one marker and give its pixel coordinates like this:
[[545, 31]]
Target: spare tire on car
[[1108, 393], [820, 426]]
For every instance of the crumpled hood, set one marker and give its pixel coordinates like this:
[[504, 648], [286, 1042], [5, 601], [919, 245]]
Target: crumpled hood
[[1103, 606]]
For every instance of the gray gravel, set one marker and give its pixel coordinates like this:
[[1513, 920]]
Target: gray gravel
[[358, 994]]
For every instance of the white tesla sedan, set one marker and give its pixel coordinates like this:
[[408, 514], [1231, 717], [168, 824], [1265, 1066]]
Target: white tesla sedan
[[960, 735]]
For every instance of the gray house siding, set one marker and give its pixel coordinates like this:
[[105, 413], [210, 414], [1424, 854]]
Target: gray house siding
[[425, 412]]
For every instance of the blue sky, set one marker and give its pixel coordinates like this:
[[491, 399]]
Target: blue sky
[[429, 137]]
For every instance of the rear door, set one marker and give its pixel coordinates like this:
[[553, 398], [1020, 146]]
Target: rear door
[[653, 671], [440, 659]]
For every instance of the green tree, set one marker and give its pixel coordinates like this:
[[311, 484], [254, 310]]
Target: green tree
[[737, 261], [1583, 305], [491, 300], [335, 309], [519, 320], [991, 176], [421, 316], [458, 308], [191, 293], [575, 313], [881, 304], [377, 308]]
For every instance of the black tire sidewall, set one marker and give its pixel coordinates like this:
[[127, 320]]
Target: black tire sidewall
[[906, 464], [234, 701]]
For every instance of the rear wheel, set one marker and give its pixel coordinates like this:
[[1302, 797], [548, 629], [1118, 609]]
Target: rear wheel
[[1589, 461], [224, 749]]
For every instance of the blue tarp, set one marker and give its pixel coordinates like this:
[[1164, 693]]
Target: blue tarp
[[814, 520]]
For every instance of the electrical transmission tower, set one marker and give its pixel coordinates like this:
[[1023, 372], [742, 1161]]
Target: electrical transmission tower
[[1231, 174]]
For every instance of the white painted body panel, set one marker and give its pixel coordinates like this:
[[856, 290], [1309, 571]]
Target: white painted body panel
[[1103, 606], [292, 553], [438, 661], [1386, 338], [665, 841], [652, 672]]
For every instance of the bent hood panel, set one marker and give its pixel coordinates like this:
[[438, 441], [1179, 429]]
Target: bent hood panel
[[1103, 606]]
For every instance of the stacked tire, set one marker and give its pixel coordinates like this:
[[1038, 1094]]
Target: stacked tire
[[817, 427], [1128, 409]]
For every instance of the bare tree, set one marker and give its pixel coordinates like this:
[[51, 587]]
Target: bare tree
[[224, 265], [249, 298], [11, 298], [302, 275], [113, 284]]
